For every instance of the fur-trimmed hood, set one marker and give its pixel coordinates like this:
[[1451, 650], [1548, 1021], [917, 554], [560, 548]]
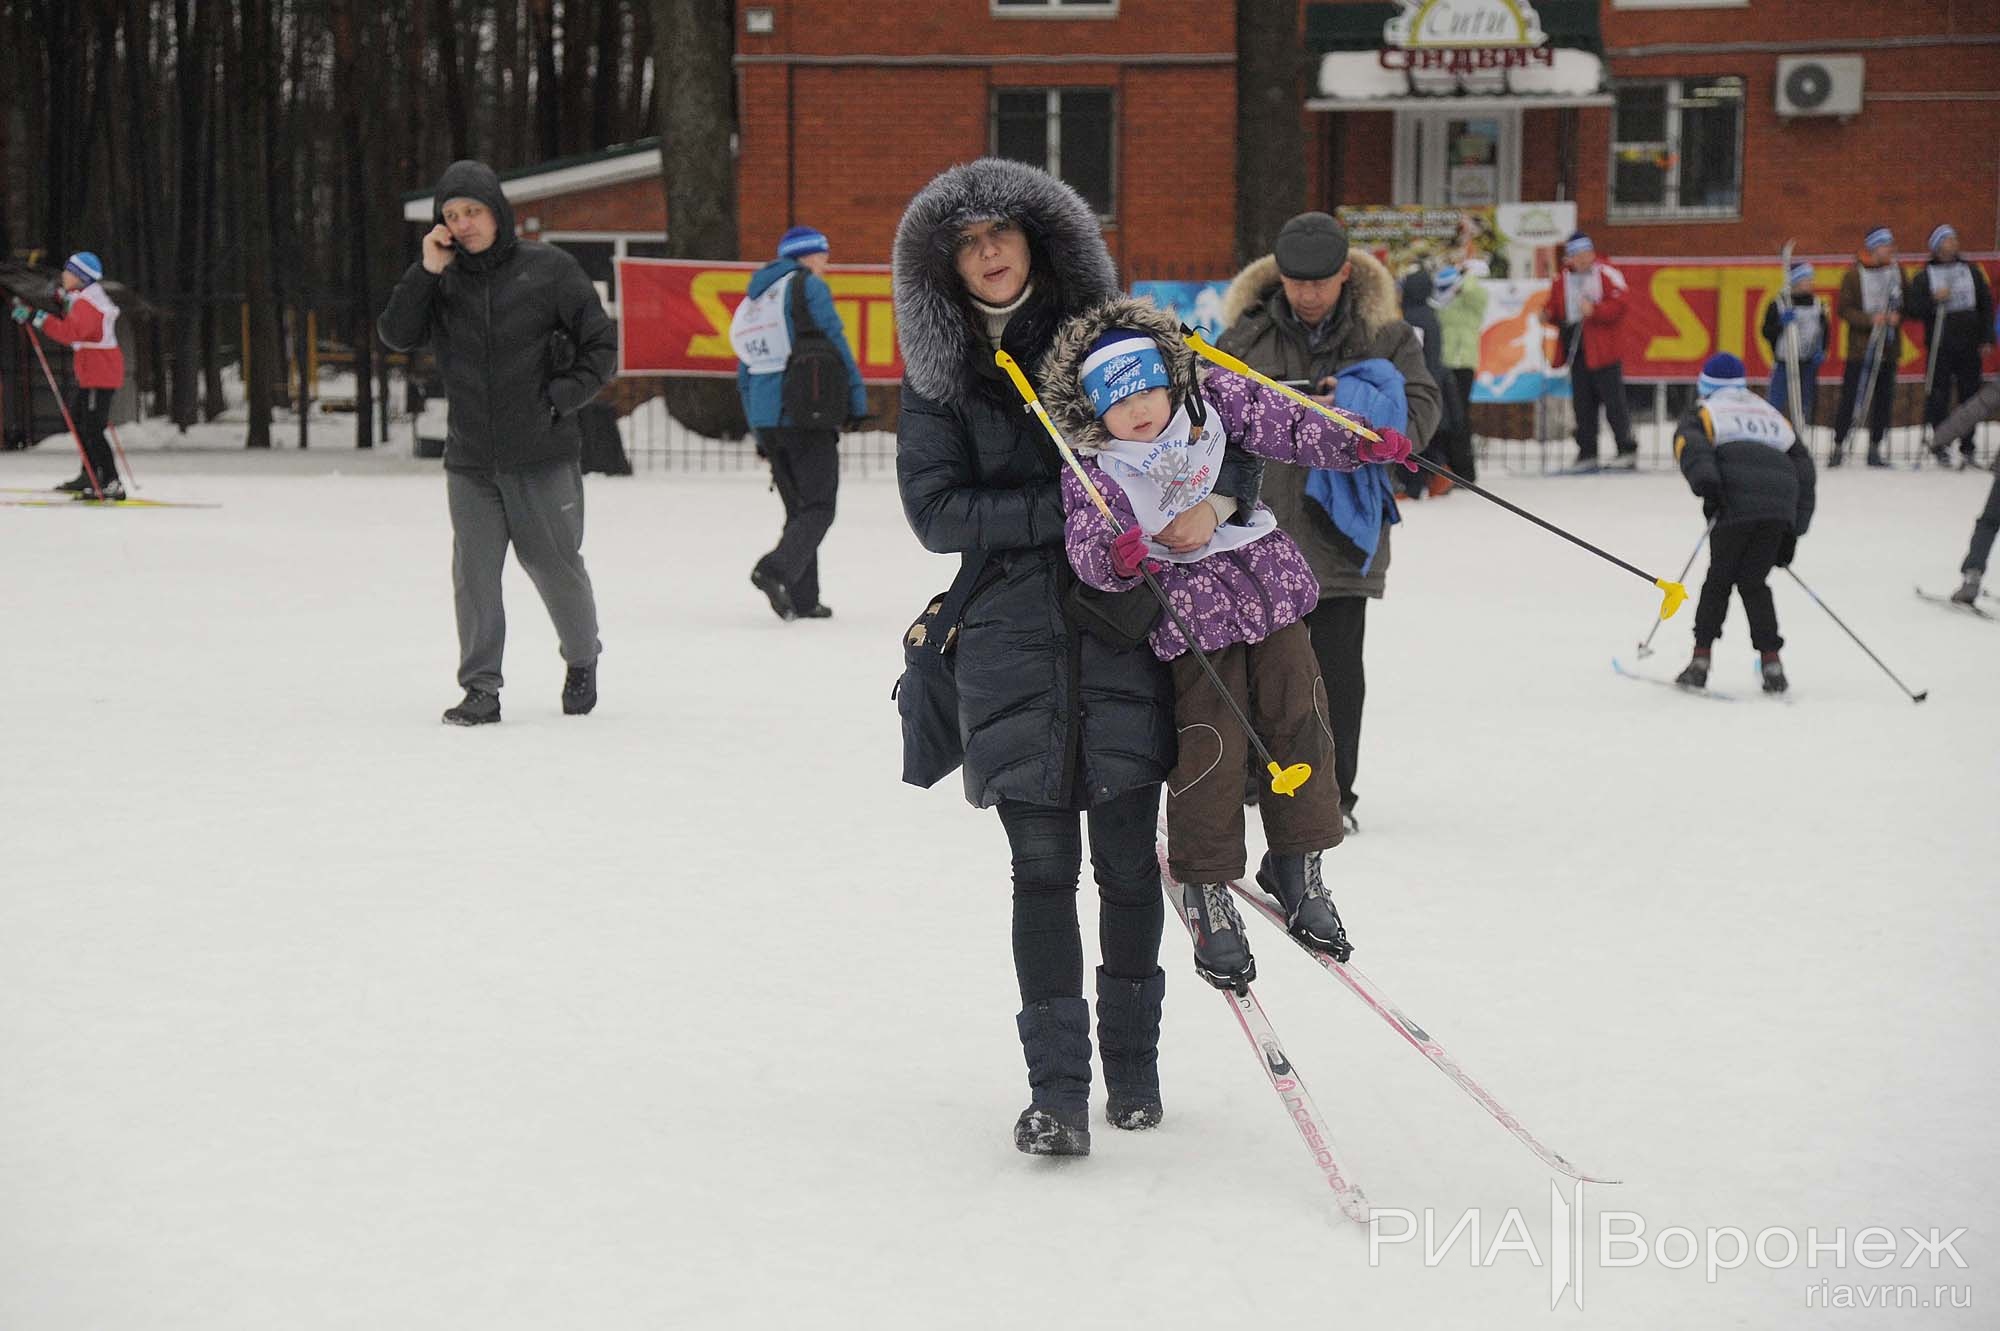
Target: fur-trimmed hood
[[1370, 297], [934, 323], [1062, 379]]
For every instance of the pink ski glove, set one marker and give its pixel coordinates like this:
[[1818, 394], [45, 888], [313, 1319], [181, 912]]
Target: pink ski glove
[[1128, 553], [1395, 447]]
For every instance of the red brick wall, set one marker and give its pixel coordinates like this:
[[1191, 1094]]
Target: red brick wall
[[635, 205]]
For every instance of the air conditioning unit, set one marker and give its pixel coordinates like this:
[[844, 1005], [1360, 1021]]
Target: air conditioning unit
[[1819, 85]]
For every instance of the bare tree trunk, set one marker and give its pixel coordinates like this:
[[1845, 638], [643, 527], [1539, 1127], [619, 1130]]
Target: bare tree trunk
[[642, 105], [253, 201], [213, 248], [142, 195], [454, 81], [361, 322], [548, 82], [1270, 137], [604, 86], [191, 29], [695, 45]]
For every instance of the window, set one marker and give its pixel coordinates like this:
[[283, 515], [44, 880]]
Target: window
[[1065, 131], [1055, 8], [1677, 149], [595, 250]]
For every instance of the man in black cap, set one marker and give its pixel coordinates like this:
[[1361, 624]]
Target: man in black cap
[[1308, 315]]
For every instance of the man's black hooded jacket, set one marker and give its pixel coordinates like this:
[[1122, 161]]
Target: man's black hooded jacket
[[493, 319]]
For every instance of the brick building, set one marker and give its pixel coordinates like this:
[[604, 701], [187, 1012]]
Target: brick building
[[1660, 119]]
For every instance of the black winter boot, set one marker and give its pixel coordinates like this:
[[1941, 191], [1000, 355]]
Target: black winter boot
[[1774, 672], [1696, 674], [1968, 591], [1221, 952], [479, 708], [1055, 1037], [1128, 1044]]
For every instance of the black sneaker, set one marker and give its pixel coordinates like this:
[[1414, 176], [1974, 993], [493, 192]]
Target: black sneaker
[[1968, 591], [779, 595], [480, 708], [1696, 674], [579, 693], [1625, 459], [1295, 880], [77, 484], [820, 611], [1221, 953], [112, 490], [1838, 456]]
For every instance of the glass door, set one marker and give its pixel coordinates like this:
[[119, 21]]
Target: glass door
[[1448, 159]]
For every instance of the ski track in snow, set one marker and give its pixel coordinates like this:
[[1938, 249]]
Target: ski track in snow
[[316, 1013]]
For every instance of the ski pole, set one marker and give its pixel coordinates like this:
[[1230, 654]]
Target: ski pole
[[49, 375], [124, 463], [1284, 780], [1673, 594], [1930, 373], [1914, 697], [1646, 647]]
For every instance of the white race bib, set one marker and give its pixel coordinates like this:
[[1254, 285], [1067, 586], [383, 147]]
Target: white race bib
[[758, 333], [1951, 285], [1166, 476], [1737, 415]]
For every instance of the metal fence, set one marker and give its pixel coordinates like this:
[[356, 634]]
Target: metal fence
[[654, 441]]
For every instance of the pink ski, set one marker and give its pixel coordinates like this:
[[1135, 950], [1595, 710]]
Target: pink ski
[[1366, 990], [1284, 1079]]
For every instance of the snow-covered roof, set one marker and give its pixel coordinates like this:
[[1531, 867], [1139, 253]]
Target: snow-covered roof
[[563, 175]]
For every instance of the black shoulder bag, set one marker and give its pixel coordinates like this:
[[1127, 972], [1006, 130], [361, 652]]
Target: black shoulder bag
[[926, 695]]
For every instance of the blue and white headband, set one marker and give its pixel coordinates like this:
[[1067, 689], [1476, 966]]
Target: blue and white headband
[[1708, 385], [1577, 244], [1942, 234], [1800, 272], [1116, 369], [1879, 237]]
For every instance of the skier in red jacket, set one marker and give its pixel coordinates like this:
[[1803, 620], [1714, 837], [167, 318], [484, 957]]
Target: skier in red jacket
[[1587, 304], [89, 326]]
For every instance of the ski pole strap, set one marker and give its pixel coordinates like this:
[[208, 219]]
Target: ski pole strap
[[1201, 347]]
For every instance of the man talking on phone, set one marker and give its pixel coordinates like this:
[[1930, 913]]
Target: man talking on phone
[[522, 342]]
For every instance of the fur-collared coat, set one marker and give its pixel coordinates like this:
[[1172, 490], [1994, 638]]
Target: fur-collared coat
[[1367, 324], [1049, 715], [1233, 596]]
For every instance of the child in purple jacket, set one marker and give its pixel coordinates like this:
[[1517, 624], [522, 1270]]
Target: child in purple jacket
[[1121, 384]]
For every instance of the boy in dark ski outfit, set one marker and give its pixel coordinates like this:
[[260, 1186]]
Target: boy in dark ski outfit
[[1756, 480], [1983, 405], [1949, 286]]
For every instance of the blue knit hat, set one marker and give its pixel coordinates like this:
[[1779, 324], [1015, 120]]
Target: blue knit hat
[[801, 241], [86, 266], [1880, 236], [1943, 233], [1800, 272], [1121, 362], [1718, 372], [1578, 243]]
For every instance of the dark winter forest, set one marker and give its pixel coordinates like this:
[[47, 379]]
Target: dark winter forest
[[237, 163]]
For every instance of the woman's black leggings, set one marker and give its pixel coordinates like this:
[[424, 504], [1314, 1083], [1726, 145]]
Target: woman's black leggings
[[1048, 860]]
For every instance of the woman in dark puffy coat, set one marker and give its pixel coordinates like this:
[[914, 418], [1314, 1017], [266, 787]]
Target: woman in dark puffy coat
[[995, 254]]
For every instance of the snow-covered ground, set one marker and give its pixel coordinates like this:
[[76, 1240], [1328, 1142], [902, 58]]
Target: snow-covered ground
[[316, 1013]]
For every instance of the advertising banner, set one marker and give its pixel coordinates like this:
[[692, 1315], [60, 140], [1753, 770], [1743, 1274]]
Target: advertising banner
[[673, 316]]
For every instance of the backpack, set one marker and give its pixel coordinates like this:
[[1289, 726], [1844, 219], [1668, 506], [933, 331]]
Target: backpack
[[815, 394]]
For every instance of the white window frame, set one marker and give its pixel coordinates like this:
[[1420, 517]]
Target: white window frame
[[1615, 211], [1038, 9], [1052, 143], [618, 239]]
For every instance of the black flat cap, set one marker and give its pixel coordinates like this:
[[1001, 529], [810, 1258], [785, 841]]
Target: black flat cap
[[1311, 246]]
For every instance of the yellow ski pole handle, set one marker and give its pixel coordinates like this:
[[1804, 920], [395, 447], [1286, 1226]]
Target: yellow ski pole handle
[[1201, 347], [1284, 780]]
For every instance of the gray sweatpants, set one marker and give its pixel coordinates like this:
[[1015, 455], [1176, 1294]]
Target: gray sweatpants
[[540, 511]]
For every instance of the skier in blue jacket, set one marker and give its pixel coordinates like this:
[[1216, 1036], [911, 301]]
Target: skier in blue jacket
[[805, 462]]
